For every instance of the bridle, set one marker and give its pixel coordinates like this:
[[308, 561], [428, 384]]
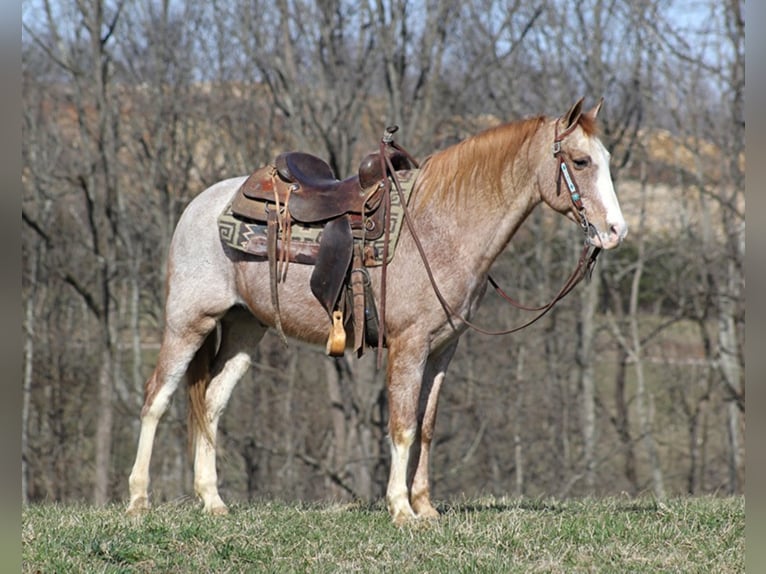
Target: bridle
[[574, 191], [585, 263]]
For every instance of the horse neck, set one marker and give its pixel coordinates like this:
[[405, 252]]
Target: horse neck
[[477, 223]]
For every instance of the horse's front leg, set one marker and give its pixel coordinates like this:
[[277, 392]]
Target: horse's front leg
[[406, 361], [436, 367]]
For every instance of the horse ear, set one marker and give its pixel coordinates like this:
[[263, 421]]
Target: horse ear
[[593, 112], [571, 117]]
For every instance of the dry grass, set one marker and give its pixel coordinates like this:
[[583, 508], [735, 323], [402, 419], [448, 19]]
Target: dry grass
[[485, 535]]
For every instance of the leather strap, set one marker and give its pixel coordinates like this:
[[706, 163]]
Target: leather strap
[[566, 174], [272, 238], [358, 300]]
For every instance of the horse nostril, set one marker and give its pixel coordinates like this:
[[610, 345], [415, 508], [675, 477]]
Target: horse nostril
[[618, 230]]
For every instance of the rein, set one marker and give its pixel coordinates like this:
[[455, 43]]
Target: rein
[[584, 267]]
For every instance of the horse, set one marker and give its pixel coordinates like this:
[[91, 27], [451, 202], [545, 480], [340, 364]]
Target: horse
[[468, 201]]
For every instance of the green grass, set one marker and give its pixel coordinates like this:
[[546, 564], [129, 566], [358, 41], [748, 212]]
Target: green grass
[[486, 535]]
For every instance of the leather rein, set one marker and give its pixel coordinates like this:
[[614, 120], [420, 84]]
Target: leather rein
[[583, 269]]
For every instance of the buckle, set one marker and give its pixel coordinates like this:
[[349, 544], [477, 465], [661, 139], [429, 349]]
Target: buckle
[[556, 148]]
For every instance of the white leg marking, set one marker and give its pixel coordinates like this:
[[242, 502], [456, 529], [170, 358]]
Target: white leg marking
[[139, 476], [217, 396], [397, 494]]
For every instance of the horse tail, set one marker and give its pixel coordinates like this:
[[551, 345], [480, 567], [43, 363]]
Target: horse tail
[[197, 381]]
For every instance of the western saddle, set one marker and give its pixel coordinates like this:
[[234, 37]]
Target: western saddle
[[302, 188]]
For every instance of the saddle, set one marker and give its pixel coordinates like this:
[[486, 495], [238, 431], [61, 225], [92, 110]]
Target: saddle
[[301, 189]]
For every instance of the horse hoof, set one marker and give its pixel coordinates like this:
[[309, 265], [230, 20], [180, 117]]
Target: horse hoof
[[403, 517], [428, 513], [138, 507], [220, 510]]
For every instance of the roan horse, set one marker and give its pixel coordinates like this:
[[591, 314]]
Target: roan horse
[[467, 203]]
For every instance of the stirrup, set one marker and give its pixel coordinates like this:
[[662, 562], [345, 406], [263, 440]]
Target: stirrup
[[336, 342]]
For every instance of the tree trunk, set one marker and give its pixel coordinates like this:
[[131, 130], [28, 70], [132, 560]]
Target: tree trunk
[[622, 422], [289, 472], [518, 423], [643, 398], [338, 453], [696, 421], [103, 437], [584, 358], [29, 353], [731, 372], [368, 384]]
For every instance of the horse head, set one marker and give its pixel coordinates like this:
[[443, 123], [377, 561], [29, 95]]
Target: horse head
[[580, 184]]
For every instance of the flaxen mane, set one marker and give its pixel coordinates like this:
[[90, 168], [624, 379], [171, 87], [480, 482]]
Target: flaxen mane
[[588, 125], [489, 153]]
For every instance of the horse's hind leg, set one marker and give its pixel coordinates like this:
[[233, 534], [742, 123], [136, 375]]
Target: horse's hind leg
[[176, 352], [240, 333]]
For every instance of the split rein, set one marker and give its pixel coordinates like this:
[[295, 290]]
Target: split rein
[[584, 267]]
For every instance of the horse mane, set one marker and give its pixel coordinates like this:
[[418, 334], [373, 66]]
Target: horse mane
[[589, 125], [450, 175], [445, 179]]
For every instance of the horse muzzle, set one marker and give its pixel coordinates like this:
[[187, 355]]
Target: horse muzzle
[[609, 239]]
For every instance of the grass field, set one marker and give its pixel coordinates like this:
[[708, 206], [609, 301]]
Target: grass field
[[485, 535]]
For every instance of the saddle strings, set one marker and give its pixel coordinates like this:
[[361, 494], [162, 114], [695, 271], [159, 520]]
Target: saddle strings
[[286, 225]]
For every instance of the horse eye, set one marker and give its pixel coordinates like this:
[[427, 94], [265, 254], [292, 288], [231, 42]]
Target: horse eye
[[581, 163]]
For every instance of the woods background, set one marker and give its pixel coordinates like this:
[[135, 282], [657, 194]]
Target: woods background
[[633, 384]]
